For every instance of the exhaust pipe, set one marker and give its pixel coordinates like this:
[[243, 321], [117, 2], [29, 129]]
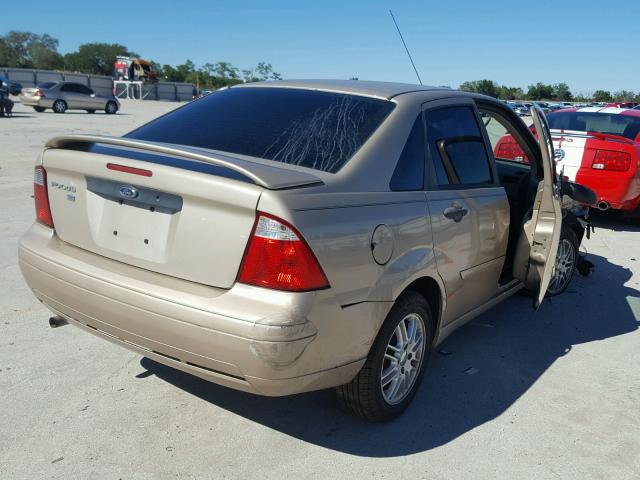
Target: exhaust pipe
[[603, 205], [55, 322]]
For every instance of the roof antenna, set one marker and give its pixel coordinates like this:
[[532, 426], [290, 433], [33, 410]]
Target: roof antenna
[[405, 46]]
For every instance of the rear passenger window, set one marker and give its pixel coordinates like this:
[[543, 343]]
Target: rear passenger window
[[457, 147], [409, 172], [71, 87]]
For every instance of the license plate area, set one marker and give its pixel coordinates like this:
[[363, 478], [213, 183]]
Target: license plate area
[[135, 221]]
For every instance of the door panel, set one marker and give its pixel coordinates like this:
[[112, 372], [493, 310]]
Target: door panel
[[469, 210], [72, 96], [538, 244], [469, 252]]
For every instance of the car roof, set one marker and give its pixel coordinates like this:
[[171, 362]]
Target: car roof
[[608, 110], [386, 90]]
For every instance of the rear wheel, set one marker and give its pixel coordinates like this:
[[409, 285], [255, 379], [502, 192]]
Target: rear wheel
[[566, 261], [59, 106], [395, 365], [39, 109], [91, 111], [111, 108]]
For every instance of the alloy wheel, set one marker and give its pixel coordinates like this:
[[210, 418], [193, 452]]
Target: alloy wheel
[[563, 267], [403, 359]]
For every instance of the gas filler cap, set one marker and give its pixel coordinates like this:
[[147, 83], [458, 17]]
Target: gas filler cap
[[382, 244]]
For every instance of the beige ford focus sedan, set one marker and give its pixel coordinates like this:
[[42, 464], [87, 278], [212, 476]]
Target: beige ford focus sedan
[[290, 236]]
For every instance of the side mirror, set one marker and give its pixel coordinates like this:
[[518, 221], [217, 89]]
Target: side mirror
[[579, 193]]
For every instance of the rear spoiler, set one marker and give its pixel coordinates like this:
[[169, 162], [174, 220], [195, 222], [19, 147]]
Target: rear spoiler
[[591, 135], [267, 176]]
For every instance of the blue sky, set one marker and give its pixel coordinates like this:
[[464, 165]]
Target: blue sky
[[588, 44]]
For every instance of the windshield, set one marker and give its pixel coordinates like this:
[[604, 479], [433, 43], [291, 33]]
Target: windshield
[[45, 85], [615, 124], [319, 130]]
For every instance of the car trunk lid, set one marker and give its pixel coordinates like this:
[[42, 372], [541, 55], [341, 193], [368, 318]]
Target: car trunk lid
[[569, 148], [162, 212]]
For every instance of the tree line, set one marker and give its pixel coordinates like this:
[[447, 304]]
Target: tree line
[[31, 50], [559, 92]]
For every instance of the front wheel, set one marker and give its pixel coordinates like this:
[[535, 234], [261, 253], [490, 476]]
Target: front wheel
[[566, 261], [395, 365]]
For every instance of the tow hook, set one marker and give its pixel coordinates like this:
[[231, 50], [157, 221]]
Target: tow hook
[[55, 322]]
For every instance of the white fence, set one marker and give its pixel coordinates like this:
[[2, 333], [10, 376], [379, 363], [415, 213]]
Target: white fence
[[99, 83]]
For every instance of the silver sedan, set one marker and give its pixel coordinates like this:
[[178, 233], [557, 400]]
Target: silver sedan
[[63, 96]]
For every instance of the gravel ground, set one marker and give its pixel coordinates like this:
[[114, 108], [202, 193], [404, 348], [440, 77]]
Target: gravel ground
[[556, 393]]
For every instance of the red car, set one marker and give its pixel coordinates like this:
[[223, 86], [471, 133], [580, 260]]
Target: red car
[[596, 147]]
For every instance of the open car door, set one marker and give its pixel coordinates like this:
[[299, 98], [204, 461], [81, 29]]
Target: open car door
[[538, 243]]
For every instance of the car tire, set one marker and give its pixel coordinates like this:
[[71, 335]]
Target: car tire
[[59, 106], [39, 109], [566, 262], [111, 108], [367, 395], [91, 111]]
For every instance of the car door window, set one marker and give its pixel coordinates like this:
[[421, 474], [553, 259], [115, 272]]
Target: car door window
[[72, 88], [85, 90], [457, 147], [505, 146], [409, 172]]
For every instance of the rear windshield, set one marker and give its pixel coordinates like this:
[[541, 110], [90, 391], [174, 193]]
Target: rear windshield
[[313, 129], [615, 124]]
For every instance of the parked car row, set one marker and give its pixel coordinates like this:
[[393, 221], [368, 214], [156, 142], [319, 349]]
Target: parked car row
[[523, 108]]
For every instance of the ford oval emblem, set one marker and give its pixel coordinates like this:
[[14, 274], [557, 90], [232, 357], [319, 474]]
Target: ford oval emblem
[[128, 192]]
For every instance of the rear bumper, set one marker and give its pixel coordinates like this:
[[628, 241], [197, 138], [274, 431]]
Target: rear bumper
[[620, 189], [245, 338], [30, 101]]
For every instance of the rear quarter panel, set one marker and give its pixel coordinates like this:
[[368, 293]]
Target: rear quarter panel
[[339, 229]]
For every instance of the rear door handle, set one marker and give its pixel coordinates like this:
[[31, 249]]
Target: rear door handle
[[455, 212]]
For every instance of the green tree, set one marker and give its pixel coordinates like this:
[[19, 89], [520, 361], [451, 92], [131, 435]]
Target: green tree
[[583, 97], [96, 58], [485, 87], [562, 92], [540, 91], [510, 93], [602, 96], [29, 50], [624, 96], [263, 71]]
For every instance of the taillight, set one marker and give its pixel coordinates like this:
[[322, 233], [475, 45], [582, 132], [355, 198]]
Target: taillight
[[510, 151], [43, 211], [278, 257], [611, 160], [38, 93]]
